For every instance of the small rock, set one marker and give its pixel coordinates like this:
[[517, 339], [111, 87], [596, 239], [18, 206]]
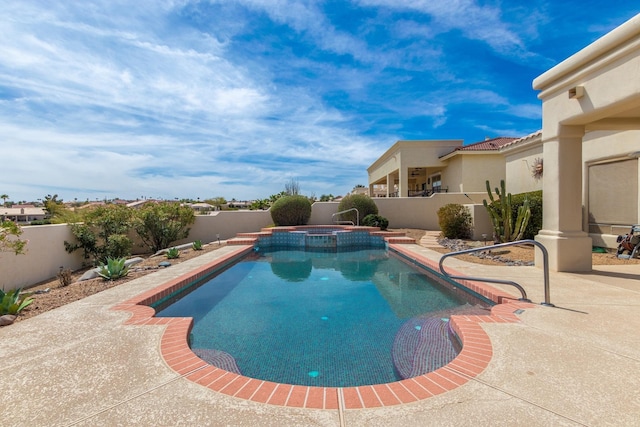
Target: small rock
[[164, 264], [7, 319]]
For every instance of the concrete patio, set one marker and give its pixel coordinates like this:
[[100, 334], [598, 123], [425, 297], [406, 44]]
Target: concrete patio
[[576, 364]]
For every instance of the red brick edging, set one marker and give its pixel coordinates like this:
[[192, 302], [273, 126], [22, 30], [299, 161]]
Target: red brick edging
[[473, 359]]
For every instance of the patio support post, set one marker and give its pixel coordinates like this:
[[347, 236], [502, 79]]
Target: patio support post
[[562, 234]]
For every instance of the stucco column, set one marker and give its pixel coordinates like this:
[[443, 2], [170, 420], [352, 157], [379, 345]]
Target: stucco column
[[568, 245], [402, 181], [389, 184]]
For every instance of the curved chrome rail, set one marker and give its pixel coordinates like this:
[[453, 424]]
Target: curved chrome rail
[[347, 222], [545, 256]]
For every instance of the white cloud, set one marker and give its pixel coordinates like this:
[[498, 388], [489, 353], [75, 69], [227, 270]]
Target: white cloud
[[129, 98]]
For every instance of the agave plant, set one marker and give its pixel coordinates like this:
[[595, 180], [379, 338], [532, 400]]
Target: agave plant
[[115, 268], [173, 253], [13, 302], [197, 245]]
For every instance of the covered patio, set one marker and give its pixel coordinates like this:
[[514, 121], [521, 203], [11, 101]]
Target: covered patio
[[410, 168]]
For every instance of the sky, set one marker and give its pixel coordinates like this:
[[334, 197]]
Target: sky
[[199, 99]]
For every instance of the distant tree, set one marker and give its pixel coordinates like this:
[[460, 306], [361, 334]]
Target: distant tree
[[52, 205], [160, 224], [292, 188], [260, 204], [4, 198], [274, 197], [218, 202], [326, 197]]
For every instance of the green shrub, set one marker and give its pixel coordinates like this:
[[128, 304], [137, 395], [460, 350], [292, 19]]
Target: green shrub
[[173, 253], [118, 246], [161, 224], [115, 268], [364, 204], [197, 245], [455, 221], [372, 220], [103, 234], [12, 302], [291, 210], [535, 204]]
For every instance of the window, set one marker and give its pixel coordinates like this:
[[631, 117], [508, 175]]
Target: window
[[436, 183]]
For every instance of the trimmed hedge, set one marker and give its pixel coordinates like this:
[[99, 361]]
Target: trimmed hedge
[[291, 210], [364, 204]]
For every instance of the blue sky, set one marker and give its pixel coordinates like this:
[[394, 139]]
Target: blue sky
[[197, 99]]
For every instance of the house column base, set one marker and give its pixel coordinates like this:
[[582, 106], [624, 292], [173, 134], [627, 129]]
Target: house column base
[[569, 252]]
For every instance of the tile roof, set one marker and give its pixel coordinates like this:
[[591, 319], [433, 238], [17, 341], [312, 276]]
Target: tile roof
[[524, 139], [492, 144], [487, 144]]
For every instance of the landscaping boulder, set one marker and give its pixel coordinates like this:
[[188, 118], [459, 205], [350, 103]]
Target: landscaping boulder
[[7, 319]]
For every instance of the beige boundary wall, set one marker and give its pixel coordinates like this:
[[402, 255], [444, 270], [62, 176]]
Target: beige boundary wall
[[45, 250], [422, 212], [43, 259]]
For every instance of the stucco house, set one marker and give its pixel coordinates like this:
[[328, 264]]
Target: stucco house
[[421, 168], [22, 214], [591, 145], [585, 158]]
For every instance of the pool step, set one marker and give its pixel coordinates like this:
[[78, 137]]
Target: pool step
[[422, 345], [218, 358]]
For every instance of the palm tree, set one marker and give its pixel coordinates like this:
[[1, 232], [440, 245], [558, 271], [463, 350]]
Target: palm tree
[[4, 198]]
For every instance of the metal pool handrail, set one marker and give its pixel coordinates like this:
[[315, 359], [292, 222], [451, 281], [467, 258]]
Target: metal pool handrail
[[545, 257], [345, 211]]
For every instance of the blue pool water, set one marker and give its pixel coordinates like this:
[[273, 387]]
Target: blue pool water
[[336, 319]]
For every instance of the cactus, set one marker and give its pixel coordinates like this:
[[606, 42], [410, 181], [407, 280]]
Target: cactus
[[499, 210]]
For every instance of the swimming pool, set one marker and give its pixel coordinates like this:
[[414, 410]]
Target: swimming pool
[[321, 317]]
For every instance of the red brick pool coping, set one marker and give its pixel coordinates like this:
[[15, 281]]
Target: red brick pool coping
[[473, 359]]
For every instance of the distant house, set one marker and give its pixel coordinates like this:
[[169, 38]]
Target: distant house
[[421, 168], [201, 207], [22, 214], [140, 203]]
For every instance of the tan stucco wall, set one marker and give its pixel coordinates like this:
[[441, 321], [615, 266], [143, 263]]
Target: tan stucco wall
[[452, 174], [477, 169], [321, 212], [608, 70], [518, 170], [609, 145], [227, 224], [43, 259], [421, 212]]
